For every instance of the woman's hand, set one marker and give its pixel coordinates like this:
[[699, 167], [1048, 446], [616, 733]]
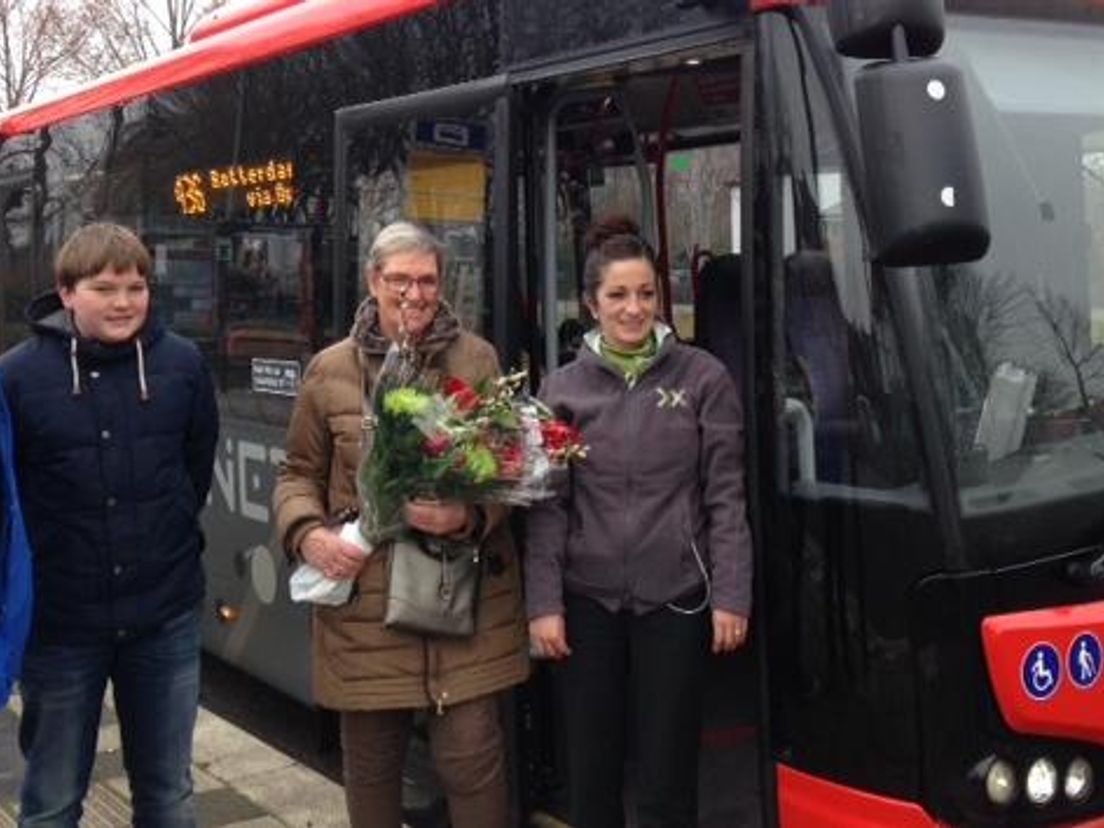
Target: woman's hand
[[436, 517], [548, 637], [330, 555], [729, 631]]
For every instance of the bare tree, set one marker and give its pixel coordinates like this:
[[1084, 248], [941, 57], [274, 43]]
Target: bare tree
[[48, 43], [1071, 328], [39, 46], [129, 31]]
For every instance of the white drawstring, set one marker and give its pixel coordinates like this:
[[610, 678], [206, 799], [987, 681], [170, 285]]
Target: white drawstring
[[73, 366], [708, 586], [143, 389]]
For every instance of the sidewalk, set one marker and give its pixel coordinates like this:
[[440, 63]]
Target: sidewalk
[[239, 780]]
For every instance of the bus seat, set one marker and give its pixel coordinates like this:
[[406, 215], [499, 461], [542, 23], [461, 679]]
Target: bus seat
[[818, 341], [569, 338], [717, 311]]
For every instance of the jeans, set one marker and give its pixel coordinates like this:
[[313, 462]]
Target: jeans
[[155, 676], [658, 661]]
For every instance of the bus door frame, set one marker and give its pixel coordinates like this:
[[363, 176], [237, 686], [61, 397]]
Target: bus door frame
[[548, 189], [457, 100], [758, 405]]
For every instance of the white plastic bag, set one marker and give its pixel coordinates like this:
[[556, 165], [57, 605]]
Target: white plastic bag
[[310, 585]]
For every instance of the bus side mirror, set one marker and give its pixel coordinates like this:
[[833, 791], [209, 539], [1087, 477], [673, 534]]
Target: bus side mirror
[[924, 187], [864, 28], [922, 170]]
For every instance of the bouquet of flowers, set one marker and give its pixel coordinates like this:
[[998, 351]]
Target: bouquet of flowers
[[491, 444]]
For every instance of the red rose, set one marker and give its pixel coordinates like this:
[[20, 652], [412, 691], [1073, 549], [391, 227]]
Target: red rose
[[558, 435], [463, 395], [511, 461], [436, 444]]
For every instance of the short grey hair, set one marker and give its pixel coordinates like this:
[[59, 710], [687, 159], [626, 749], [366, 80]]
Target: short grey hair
[[404, 237]]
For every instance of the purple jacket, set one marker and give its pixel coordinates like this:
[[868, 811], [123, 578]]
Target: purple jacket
[[661, 488]]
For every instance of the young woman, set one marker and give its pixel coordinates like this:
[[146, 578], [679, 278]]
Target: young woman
[[644, 564]]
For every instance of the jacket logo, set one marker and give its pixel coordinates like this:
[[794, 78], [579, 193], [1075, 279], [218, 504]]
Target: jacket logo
[[671, 398]]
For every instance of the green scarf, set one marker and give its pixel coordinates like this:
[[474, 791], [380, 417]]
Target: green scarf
[[631, 362]]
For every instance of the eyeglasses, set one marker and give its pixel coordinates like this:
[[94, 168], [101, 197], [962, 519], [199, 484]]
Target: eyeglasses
[[401, 283]]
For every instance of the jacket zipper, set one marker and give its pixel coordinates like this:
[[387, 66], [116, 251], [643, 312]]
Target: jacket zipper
[[630, 401], [627, 392]]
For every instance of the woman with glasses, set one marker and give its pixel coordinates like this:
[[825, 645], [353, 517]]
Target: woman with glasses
[[374, 676]]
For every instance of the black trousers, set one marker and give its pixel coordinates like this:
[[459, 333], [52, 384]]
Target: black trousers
[[658, 661]]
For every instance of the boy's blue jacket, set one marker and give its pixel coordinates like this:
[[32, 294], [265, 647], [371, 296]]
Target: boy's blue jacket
[[114, 448], [15, 572]]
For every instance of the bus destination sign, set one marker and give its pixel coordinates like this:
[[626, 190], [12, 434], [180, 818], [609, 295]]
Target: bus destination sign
[[265, 184]]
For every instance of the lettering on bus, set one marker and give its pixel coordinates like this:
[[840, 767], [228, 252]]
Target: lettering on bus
[[266, 184], [244, 475]]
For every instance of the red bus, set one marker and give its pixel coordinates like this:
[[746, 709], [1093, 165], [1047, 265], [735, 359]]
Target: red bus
[[925, 440]]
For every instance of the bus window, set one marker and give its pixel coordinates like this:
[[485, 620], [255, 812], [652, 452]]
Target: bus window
[[435, 171], [1020, 341], [844, 391], [231, 221], [852, 528], [699, 188], [16, 202]]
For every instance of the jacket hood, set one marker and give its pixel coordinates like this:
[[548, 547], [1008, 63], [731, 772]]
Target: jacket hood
[[49, 317]]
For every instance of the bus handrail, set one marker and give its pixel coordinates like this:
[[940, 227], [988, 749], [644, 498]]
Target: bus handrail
[[796, 415]]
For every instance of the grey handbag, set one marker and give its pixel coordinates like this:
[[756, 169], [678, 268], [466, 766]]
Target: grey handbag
[[432, 586]]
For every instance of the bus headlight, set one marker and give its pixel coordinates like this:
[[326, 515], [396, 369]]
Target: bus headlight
[[1000, 783], [1079, 780], [1042, 782]]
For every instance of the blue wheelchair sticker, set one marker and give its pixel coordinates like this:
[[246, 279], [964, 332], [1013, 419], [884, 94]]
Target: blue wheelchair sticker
[[1083, 660], [1042, 671]]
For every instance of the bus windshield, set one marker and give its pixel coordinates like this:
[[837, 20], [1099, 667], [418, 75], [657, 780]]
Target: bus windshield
[[1020, 334]]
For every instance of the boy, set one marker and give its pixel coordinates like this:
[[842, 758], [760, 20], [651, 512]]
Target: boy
[[115, 430]]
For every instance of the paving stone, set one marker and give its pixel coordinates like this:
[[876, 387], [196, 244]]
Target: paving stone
[[104, 808], [216, 738], [225, 806], [300, 797], [121, 786], [110, 738], [203, 781], [109, 764], [240, 781], [246, 763], [11, 762], [9, 786]]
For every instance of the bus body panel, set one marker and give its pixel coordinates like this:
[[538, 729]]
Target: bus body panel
[[805, 801], [1044, 666], [267, 37], [230, 17], [877, 671]]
